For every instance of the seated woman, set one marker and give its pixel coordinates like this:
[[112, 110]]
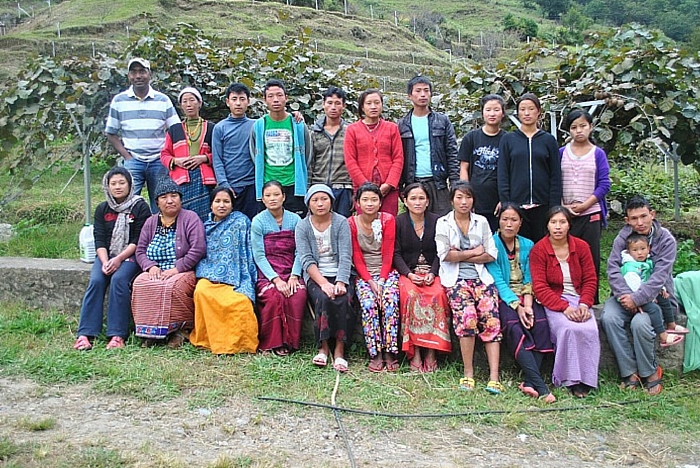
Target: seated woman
[[118, 223], [564, 281], [171, 244], [523, 321], [324, 249], [187, 154], [281, 297], [373, 235], [425, 313], [224, 320], [464, 244]]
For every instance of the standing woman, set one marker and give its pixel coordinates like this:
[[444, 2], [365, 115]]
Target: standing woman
[[529, 169], [479, 153], [281, 296], [425, 312], [187, 154], [523, 321], [171, 244], [373, 235], [564, 281], [118, 223], [373, 150], [324, 248], [464, 245], [585, 175], [225, 321]]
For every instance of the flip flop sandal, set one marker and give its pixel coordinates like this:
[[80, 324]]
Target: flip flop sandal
[[376, 367], [494, 387], [679, 330], [672, 339], [415, 367], [430, 366], [632, 382], [82, 343], [116, 342], [467, 384], [392, 366], [341, 365], [649, 384], [320, 360]]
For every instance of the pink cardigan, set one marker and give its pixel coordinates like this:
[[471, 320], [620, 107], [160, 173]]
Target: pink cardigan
[[365, 150]]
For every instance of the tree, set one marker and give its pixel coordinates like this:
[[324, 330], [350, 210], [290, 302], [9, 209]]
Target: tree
[[553, 8]]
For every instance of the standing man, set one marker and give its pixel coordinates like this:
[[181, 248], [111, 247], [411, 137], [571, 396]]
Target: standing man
[[327, 163], [280, 149], [429, 147], [136, 125], [231, 151], [636, 358]]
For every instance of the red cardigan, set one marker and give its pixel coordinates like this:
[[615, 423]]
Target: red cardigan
[[548, 280], [365, 150], [388, 240], [176, 147]]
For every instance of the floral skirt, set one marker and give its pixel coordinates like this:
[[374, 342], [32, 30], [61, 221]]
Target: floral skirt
[[425, 317], [380, 315], [475, 310]]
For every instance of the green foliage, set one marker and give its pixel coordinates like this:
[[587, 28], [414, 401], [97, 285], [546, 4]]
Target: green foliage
[[553, 8], [656, 185], [525, 27], [651, 89], [687, 257]]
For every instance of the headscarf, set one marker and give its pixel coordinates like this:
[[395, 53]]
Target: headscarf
[[120, 232]]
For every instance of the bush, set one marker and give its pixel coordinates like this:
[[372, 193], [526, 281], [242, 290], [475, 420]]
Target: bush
[[687, 258]]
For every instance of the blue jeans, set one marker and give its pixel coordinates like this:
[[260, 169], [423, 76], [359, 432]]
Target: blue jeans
[[119, 308], [146, 173], [635, 355]]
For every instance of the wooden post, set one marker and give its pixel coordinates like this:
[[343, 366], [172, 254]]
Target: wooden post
[[371, 12], [58, 29], [396, 18]]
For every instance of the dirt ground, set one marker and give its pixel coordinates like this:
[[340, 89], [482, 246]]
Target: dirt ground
[[168, 433]]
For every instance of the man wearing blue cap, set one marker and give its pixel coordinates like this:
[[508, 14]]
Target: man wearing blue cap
[[136, 125]]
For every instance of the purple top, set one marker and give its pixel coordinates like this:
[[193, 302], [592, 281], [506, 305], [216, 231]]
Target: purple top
[[602, 180], [190, 241]]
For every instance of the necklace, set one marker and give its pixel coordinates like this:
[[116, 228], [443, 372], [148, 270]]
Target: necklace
[[371, 127], [194, 134]]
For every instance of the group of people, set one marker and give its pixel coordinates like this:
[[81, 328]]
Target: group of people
[[500, 238]]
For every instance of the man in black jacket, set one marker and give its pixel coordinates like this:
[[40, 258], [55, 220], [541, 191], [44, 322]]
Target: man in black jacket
[[429, 147]]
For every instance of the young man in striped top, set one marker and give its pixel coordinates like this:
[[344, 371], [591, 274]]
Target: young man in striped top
[[136, 125]]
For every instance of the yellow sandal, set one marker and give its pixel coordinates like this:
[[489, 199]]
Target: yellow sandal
[[467, 383], [495, 387]]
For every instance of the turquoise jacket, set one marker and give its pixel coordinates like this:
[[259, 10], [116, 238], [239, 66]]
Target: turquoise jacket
[[500, 268], [301, 152]]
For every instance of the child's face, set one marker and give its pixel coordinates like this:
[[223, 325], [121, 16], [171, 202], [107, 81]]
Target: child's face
[[639, 250]]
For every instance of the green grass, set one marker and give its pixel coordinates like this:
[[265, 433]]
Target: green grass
[[37, 345], [39, 425]]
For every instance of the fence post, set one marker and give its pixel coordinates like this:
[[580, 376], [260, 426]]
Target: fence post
[[345, 6], [396, 18], [58, 29], [371, 12], [127, 31]]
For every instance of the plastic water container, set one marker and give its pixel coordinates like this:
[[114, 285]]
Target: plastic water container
[[87, 244]]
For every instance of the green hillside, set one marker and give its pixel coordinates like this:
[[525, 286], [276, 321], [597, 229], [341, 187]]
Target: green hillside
[[384, 50]]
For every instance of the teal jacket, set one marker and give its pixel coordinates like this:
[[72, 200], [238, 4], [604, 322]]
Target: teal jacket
[[301, 150], [500, 268]]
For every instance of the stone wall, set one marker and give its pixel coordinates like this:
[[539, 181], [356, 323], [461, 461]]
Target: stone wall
[[60, 284]]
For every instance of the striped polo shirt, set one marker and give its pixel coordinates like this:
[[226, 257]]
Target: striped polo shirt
[[141, 123]]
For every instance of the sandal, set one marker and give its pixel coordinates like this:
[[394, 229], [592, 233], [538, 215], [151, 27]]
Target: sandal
[[320, 360], [549, 398], [430, 366], [416, 367], [650, 384], [376, 366], [341, 365], [83, 343], [495, 387], [672, 339], [631, 383], [392, 365], [282, 351], [116, 342], [529, 391], [467, 383], [176, 340], [678, 330]]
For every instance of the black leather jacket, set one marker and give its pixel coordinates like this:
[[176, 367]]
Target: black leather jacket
[[443, 150]]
